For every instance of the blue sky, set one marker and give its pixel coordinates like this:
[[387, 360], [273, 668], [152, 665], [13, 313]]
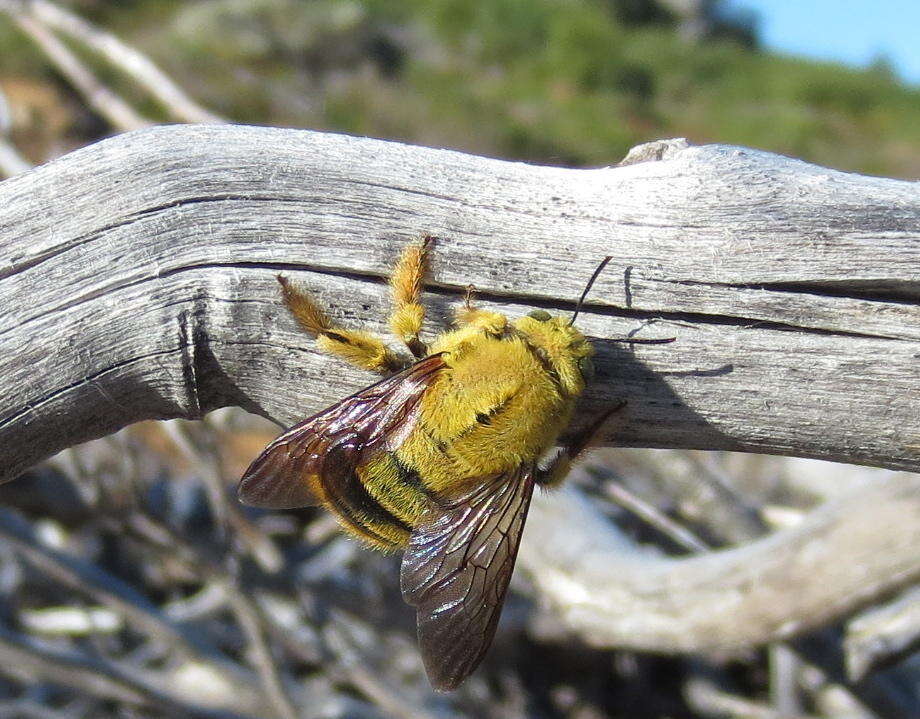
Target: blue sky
[[854, 32]]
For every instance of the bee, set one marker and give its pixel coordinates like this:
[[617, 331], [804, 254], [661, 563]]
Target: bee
[[440, 458]]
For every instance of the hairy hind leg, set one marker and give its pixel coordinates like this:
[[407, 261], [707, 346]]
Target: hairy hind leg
[[406, 287], [361, 349]]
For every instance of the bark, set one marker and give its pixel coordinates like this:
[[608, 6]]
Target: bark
[[137, 281]]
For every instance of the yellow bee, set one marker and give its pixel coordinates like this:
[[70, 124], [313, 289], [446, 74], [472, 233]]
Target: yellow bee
[[440, 458]]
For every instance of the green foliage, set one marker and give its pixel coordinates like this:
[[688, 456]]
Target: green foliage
[[565, 81], [561, 81], [580, 81]]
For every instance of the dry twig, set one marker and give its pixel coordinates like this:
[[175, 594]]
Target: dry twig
[[97, 95], [129, 60], [615, 596]]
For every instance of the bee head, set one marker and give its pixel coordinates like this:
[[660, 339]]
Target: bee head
[[561, 346]]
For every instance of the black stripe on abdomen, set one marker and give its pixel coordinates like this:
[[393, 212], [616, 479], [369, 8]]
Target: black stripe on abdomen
[[349, 498]]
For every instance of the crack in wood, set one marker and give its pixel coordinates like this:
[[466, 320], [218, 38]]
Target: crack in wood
[[803, 368], [873, 290]]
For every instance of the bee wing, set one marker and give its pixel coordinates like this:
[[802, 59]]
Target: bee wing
[[456, 570], [305, 464]]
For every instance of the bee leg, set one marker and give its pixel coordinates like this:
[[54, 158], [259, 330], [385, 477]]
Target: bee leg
[[406, 287], [361, 349], [468, 314], [468, 298], [558, 468]]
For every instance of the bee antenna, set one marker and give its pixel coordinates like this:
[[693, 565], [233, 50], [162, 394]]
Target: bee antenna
[[581, 300]]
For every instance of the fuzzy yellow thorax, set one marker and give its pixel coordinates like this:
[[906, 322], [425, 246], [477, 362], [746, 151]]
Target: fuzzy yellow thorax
[[564, 347], [507, 393]]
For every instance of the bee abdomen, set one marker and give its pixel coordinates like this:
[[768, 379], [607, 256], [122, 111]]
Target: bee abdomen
[[346, 494], [396, 489]]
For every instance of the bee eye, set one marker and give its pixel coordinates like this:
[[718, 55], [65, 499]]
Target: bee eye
[[540, 315], [586, 367]]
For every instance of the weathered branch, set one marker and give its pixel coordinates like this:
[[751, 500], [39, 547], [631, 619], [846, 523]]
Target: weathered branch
[[129, 60], [137, 281], [612, 594], [100, 97], [883, 635], [107, 679]]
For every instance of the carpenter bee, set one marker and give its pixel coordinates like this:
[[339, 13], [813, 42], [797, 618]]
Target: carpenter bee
[[438, 459]]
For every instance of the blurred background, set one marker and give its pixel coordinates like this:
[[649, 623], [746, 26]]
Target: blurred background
[[568, 82], [131, 582]]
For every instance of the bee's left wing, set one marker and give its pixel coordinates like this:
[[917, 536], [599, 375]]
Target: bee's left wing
[[456, 570], [314, 461]]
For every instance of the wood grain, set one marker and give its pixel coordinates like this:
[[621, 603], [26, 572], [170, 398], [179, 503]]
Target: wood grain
[[137, 281]]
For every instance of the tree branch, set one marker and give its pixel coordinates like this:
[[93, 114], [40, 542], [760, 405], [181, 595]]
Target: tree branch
[[129, 60], [613, 594], [98, 96], [137, 281]]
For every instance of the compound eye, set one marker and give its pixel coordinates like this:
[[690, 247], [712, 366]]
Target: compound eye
[[586, 367], [540, 315]]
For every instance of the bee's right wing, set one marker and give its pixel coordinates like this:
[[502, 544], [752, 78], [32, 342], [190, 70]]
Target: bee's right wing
[[311, 462], [456, 570]]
